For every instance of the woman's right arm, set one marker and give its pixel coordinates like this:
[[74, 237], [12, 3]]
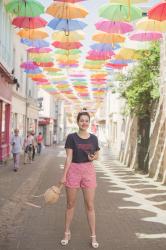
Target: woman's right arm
[[69, 153]]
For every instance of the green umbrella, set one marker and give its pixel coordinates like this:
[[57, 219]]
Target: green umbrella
[[67, 52], [119, 12], [95, 62], [30, 8]]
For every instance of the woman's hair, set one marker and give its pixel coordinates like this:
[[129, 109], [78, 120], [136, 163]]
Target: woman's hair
[[82, 113]]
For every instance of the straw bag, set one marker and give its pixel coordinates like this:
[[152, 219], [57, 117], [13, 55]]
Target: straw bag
[[52, 194]]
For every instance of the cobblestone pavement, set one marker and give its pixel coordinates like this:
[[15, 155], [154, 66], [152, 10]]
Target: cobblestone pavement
[[130, 208]]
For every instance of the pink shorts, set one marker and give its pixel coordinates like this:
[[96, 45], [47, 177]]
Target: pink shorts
[[81, 175]]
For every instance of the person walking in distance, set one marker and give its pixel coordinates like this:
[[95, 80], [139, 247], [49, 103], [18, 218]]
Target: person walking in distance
[[16, 143], [39, 142], [81, 149]]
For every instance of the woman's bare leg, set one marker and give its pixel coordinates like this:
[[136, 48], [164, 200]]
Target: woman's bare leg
[[71, 194], [89, 195]]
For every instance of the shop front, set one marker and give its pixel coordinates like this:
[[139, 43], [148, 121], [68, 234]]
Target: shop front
[[5, 112], [46, 127]]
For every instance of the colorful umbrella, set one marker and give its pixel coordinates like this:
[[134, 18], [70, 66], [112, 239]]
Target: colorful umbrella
[[72, 36], [108, 38], [29, 8], [158, 12], [127, 54], [39, 50], [114, 27], [52, 69], [44, 64], [128, 2], [28, 65], [66, 11], [70, 1], [35, 43], [33, 71], [32, 34], [119, 12], [66, 25], [151, 25], [68, 52], [104, 46], [29, 22], [146, 36], [67, 45]]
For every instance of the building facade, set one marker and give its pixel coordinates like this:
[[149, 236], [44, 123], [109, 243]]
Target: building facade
[[6, 81]]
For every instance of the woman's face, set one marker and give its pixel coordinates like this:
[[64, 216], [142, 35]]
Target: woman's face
[[83, 122]]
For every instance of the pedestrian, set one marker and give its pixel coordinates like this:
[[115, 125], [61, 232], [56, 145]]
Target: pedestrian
[[39, 142], [34, 146], [54, 139], [16, 143], [28, 148], [81, 150]]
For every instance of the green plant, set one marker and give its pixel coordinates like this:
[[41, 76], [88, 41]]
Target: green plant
[[140, 85]]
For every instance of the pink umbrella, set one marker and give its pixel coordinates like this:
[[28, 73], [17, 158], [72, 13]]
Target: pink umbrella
[[115, 66], [114, 27], [37, 79], [101, 53], [67, 45], [39, 50], [98, 57], [146, 36], [29, 22], [29, 65]]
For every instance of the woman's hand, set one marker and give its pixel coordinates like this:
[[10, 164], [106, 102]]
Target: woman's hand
[[63, 179], [92, 157]]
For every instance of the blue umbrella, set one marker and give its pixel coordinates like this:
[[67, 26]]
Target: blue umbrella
[[35, 43], [66, 24], [121, 61], [105, 46], [33, 71]]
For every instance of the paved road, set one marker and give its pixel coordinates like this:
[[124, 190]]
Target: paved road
[[130, 208]]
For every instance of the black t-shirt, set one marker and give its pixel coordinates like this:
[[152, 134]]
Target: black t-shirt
[[81, 147]]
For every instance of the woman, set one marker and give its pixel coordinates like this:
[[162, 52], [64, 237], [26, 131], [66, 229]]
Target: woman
[[81, 149]]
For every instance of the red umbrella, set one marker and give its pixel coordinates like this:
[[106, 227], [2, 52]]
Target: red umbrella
[[115, 66], [29, 22], [39, 50], [158, 12], [44, 64], [67, 45]]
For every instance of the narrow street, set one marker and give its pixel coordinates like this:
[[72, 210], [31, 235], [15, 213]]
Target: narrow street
[[130, 208]]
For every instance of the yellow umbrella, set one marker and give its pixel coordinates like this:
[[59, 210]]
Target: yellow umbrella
[[66, 10], [128, 54], [52, 69], [151, 25], [32, 34], [108, 38], [72, 36]]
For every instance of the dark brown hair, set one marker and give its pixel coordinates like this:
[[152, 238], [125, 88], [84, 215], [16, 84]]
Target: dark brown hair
[[82, 113]]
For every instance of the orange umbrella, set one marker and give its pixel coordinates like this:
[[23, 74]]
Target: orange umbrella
[[32, 34], [72, 36], [66, 10], [108, 38]]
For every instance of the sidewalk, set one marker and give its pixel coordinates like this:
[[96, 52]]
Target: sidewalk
[[130, 209]]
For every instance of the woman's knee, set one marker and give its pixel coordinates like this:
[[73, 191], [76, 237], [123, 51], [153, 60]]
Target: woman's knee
[[70, 205], [89, 206]]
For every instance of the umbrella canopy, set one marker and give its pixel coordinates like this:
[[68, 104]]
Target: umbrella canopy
[[128, 2], [70, 1], [29, 22], [151, 25], [35, 43], [39, 50], [146, 36], [105, 46], [127, 54], [44, 64], [68, 52], [158, 12], [66, 24], [114, 27], [28, 65], [67, 45], [29, 8], [32, 34], [108, 38], [73, 36], [119, 12], [66, 11]]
